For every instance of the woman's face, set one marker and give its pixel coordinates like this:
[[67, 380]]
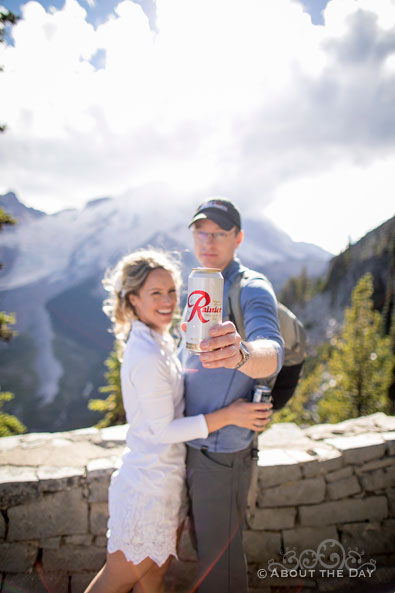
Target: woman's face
[[156, 301]]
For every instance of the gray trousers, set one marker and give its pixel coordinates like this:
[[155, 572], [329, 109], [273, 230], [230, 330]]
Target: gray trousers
[[218, 488]]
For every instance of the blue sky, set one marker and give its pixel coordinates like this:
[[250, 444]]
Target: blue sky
[[284, 107]]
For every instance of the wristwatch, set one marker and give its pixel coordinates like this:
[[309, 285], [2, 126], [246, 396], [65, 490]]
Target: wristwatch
[[245, 355]]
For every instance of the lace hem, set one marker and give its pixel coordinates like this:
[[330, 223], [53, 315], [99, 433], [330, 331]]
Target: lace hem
[[145, 526]]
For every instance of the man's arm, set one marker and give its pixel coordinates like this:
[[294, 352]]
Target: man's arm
[[223, 351], [263, 339]]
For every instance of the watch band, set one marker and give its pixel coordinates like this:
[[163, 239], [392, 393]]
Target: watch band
[[245, 355]]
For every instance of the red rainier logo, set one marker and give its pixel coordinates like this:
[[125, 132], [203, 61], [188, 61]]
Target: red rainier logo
[[201, 305]]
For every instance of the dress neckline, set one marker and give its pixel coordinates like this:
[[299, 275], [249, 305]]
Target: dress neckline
[[140, 327]]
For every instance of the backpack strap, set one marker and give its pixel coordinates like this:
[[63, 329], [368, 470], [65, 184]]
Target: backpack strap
[[233, 305], [291, 329]]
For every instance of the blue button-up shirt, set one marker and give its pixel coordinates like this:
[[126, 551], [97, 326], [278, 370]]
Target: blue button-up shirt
[[207, 390]]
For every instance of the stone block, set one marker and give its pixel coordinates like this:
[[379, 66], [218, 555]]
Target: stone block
[[3, 527], [7, 443], [34, 583], [81, 580], [281, 434], [100, 541], [55, 479], [344, 488], [389, 438], [361, 448], [17, 557], [262, 546], [274, 519], [329, 458], [98, 518], [391, 502], [379, 479], [312, 469], [78, 540], [383, 421], [385, 576], [293, 493], [98, 489], [273, 475], [18, 484], [114, 434], [61, 513], [181, 577], [74, 558], [375, 464], [340, 474], [372, 538], [342, 584], [51, 543], [99, 472], [373, 508], [309, 538]]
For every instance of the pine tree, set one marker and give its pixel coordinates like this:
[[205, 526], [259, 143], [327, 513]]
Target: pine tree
[[9, 425], [361, 362], [112, 406]]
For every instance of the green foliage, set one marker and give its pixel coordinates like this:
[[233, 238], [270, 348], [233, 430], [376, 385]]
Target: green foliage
[[112, 406], [361, 363], [6, 18], [9, 425], [6, 319], [301, 408], [5, 218], [391, 387], [298, 290]]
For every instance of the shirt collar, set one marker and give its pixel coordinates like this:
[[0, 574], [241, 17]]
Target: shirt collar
[[231, 268]]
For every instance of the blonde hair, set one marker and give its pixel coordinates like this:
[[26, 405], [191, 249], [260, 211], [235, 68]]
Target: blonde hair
[[128, 277]]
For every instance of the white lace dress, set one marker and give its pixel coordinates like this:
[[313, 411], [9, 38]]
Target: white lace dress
[[147, 494]]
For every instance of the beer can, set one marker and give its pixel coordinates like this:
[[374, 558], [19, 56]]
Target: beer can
[[204, 305], [262, 393]]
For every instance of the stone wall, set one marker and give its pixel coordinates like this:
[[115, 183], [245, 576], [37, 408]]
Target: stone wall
[[325, 517]]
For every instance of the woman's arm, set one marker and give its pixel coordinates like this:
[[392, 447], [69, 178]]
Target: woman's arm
[[151, 377], [254, 416]]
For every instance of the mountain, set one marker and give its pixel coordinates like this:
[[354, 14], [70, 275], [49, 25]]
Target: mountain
[[10, 203], [374, 253], [51, 278]]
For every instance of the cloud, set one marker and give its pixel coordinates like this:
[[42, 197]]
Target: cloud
[[235, 97]]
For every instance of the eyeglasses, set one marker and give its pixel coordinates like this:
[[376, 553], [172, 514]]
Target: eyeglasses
[[219, 237]]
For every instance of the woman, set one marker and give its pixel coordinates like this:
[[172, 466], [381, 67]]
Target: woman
[[147, 500]]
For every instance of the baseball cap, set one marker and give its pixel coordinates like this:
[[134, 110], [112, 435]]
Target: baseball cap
[[222, 212]]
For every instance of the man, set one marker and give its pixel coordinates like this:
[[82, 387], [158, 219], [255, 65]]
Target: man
[[218, 468]]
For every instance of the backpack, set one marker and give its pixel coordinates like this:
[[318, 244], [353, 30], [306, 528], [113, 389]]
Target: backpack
[[292, 332]]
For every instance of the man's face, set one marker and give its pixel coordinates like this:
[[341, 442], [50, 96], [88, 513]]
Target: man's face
[[215, 251]]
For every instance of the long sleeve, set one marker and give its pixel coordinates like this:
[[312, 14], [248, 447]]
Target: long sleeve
[[259, 307], [151, 376]]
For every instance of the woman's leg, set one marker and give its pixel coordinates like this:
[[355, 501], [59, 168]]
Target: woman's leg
[[118, 575], [154, 580]]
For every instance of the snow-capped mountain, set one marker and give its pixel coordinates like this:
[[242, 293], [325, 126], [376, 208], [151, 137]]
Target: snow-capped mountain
[[51, 279]]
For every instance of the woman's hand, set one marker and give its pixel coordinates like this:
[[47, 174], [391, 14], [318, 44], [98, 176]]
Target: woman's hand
[[254, 416]]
